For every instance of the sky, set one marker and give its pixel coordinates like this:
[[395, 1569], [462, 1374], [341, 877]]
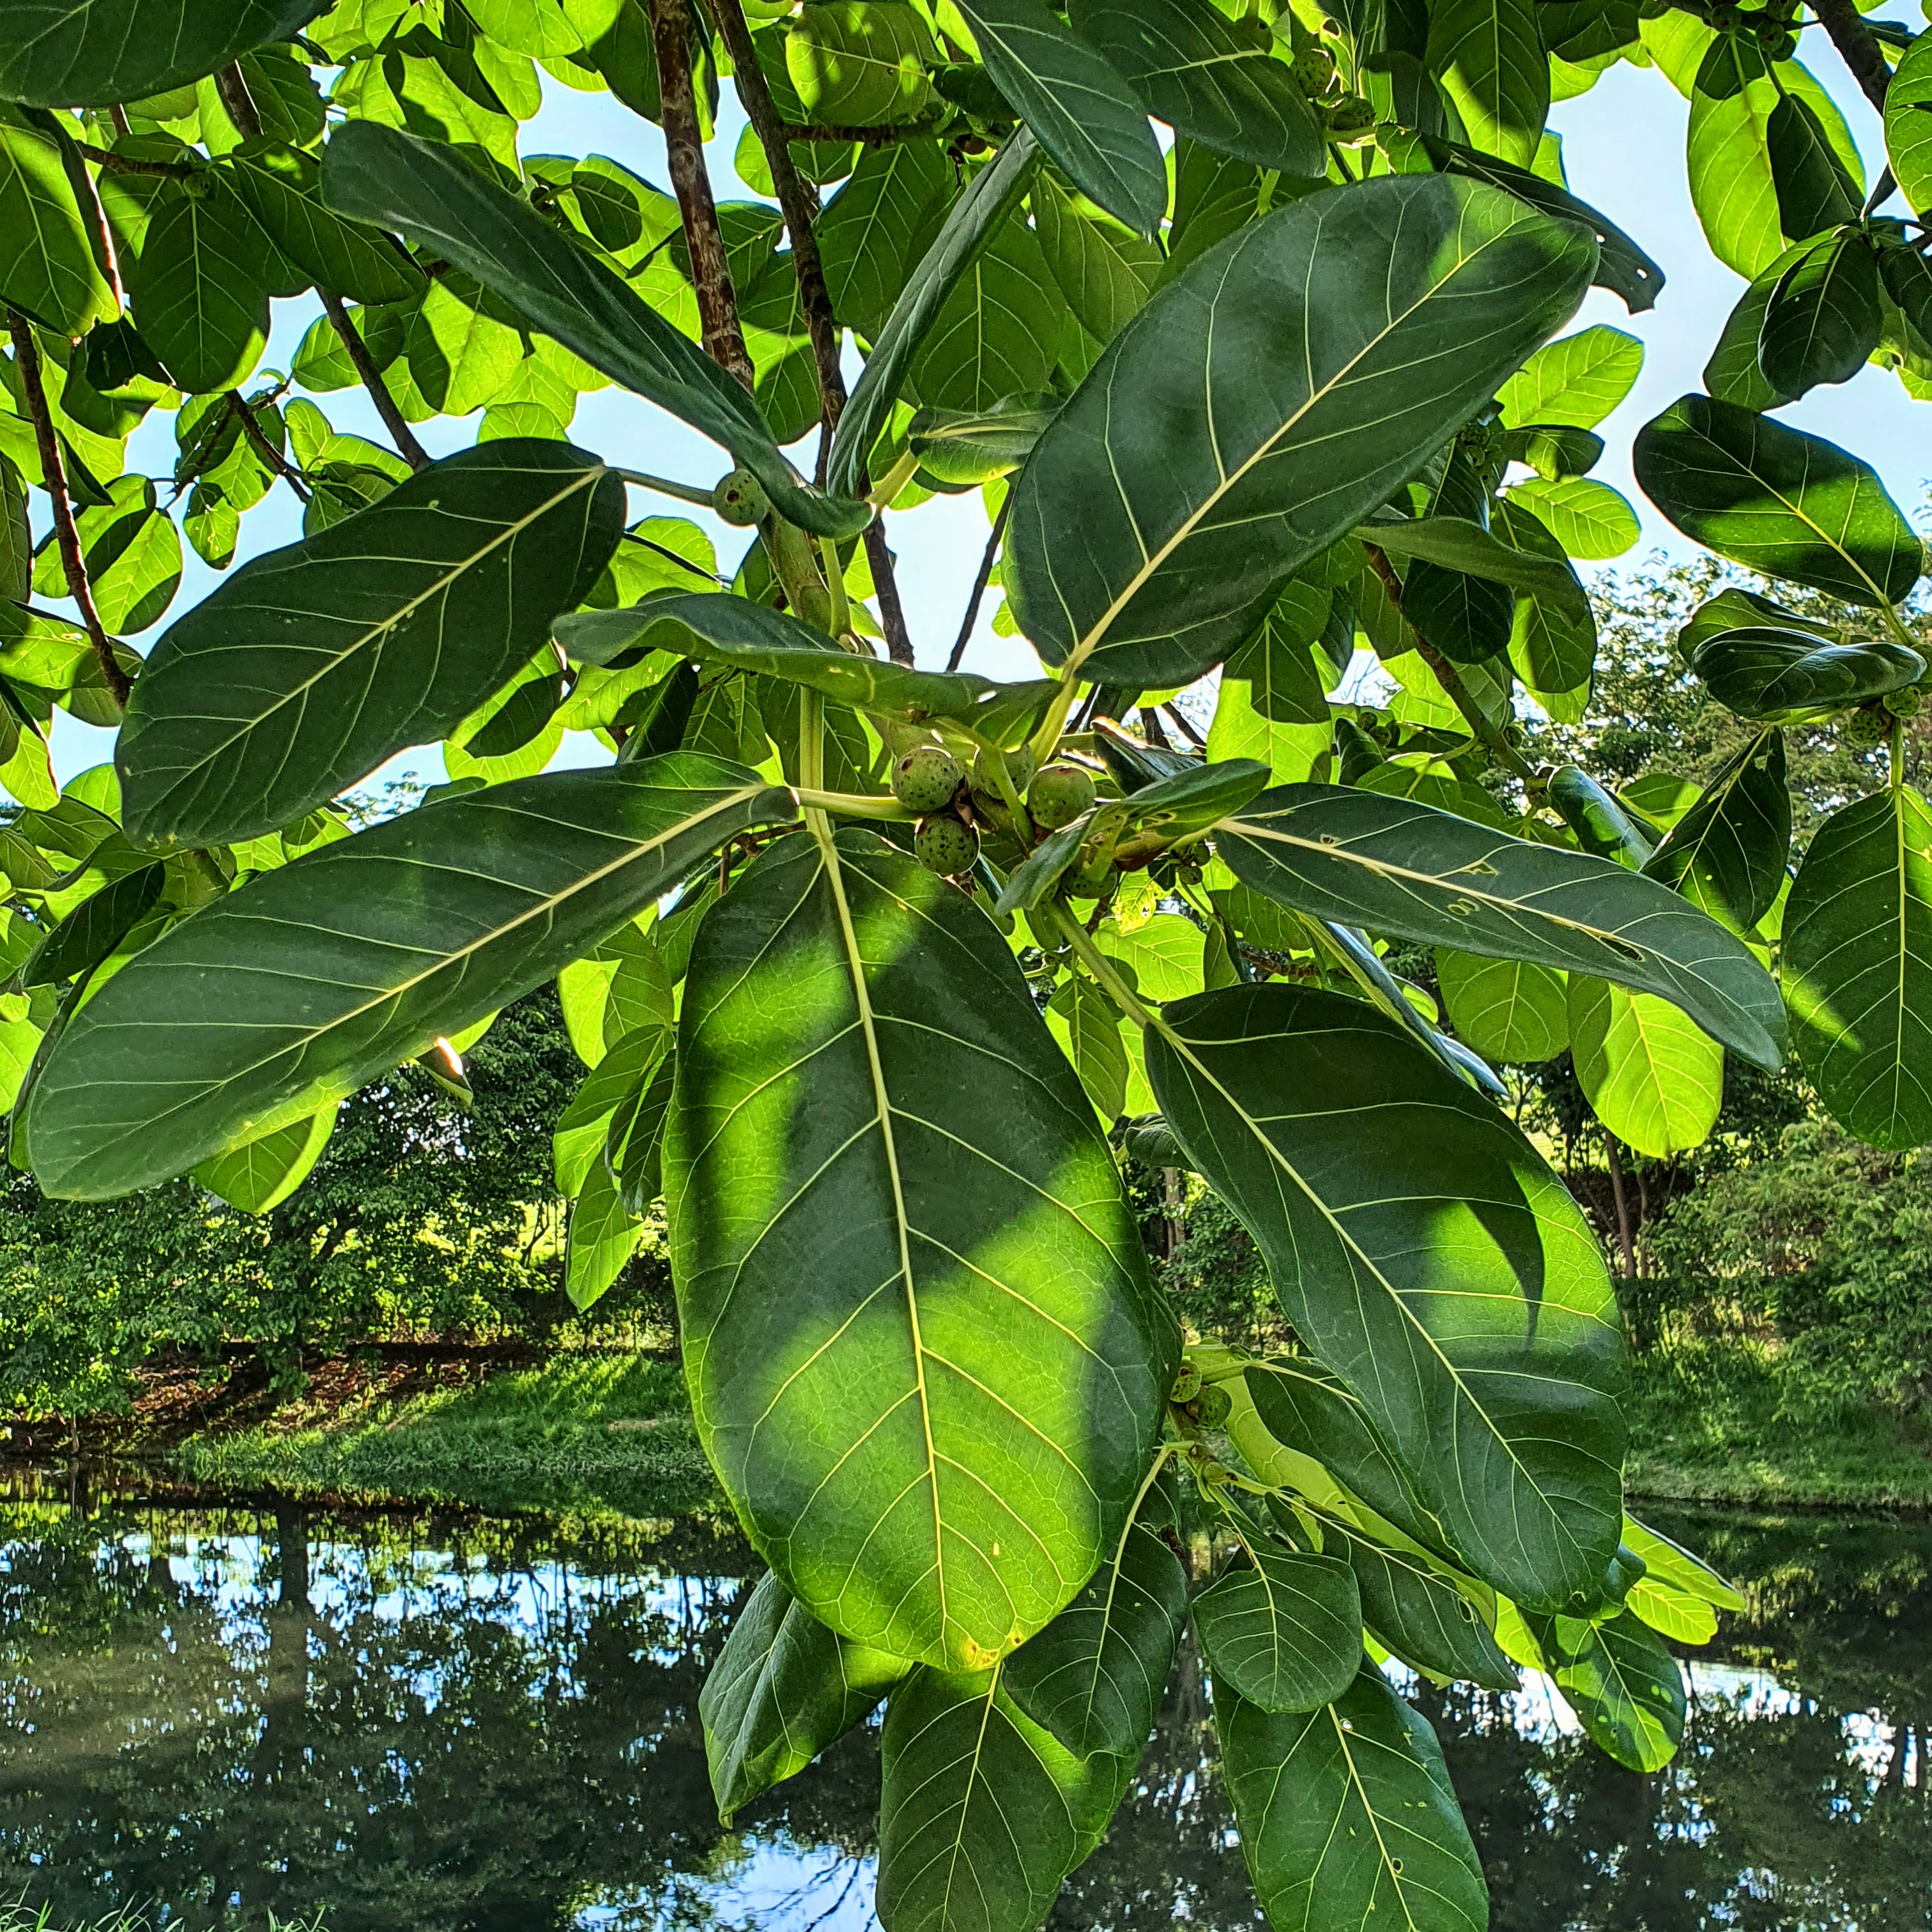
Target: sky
[[1624, 150]]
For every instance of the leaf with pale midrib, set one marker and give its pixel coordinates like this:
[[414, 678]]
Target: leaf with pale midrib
[[1443, 1274], [935, 1432], [1237, 425], [1284, 1630], [315, 979], [311, 665], [1726, 854], [1410, 871], [1626, 1689]]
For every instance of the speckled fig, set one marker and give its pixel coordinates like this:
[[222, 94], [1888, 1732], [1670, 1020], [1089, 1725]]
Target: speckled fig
[[926, 778], [945, 845], [1058, 795]]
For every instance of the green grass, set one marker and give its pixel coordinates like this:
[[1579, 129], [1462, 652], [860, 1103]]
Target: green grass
[[20, 1917], [1708, 1425], [563, 1437]]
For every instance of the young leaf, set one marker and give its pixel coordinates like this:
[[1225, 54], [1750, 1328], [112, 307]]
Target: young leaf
[[1421, 1301], [1671, 1563], [1081, 110], [1726, 854], [925, 1476], [429, 194], [310, 664], [783, 1689], [1652, 1076], [1507, 1009], [1777, 500], [317, 978], [1347, 1816], [1458, 544], [1823, 320], [1284, 1630], [1410, 871], [1857, 966], [1627, 1690], [1489, 54], [1143, 547]]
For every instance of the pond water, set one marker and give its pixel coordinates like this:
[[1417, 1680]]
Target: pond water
[[487, 1724]]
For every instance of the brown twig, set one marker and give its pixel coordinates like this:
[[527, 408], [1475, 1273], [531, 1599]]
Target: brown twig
[[357, 350], [118, 115], [233, 86], [110, 163], [870, 137], [980, 583], [27, 359], [1858, 47], [1485, 728], [898, 639], [723, 335], [266, 450]]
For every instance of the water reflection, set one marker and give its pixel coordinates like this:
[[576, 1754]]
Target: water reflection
[[487, 1724]]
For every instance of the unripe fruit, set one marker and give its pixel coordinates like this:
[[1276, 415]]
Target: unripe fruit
[[1059, 795], [1351, 119], [1314, 69], [1213, 1405], [1870, 725], [1904, 703], [1776, 42], [740, 499], [943, 845], [1019, 768], [926, 778], [1187, 1383]]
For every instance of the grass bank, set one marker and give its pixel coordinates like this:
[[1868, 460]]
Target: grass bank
[[579, 1433]]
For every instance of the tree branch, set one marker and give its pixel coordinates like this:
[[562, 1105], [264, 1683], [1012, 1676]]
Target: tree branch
[[710, 272], [233, 86], [27, 358], [871, 137], [898, 639], [357, 350], [1858, 46], [980, 582], [266, 450], [109, 163]]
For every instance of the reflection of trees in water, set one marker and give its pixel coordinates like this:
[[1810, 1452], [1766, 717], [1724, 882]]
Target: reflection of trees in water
[[463, 1733]]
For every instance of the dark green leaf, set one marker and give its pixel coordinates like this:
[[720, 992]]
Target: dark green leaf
[[924, 1475], [1553, 647], [871, 231], [1448, 1280], [1489, 54], [1143, 547], [1762, 670], [1733, 375], [965, 449], [1284, 1630], [1857, 966], [1347, 1816], [305, 671], [1466, 548], [1081, 110], [317, 978], [1777, 500], [95, 927], [1814, 188], [998, 333], [783, 1688], [1210, 77], [1554, 451], [1602, 827], [1626, 1689], [1727, 853], [1822, 321], [1409, 871], [429, 195]]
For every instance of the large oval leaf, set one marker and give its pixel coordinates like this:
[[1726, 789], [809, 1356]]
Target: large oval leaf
[[77, 53], [924, 1354], [1410, 871], [1507, 1009], [1822, 321], [1347, 1815], [1628, 1691], [1284, 1630], [1726, 854], [315, 979], [1763, 670], [1489, 54], [1908, 125], [1650, 1075], [1262, 404], [51, 271], [428, 193], [1445, 1277], [310, 665], [1777, 500], [1857, 965]]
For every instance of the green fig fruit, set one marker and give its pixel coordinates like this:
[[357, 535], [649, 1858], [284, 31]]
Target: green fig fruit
[[1213, 1405], [926, 778], [944, 844], [1870, 725], [1904, 703], [1187, 1383], [1314, 69], [740, 499], [1351, 119], [1058, 795]]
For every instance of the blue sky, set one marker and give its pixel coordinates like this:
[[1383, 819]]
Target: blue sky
[[1624, 148]]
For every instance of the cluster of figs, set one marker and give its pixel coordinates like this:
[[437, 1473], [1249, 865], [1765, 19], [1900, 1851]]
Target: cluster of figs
[[952, 804]]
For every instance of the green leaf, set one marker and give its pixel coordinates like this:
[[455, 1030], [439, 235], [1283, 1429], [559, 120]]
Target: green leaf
[[69, 53], [634, 1148], [998, 334], [603, 1237], [1409, 871], [1627, 1690], [584, 1127], [1908, 126], [1489, 54], [926, 1475], [311, 665], [1093, 1677], [1601, 826], [1578, 380], [1857, 967], [1081, 110], [1105, 271], [1765, 670], [428, 194], [199, 286], [1461, 545], [784, 1688], [1822, 321], [1671, 1563], [859, 63], [1447, 1279], [133, 554], [982, 1812], [1732, 374], [974, 220], [50, 269], [317, 978], [1777, 500], [716, 627], [1726, 854], [1092, 1041], [870, 233], [260, 1174], [1284, 1630], [1210, 78], [1507, 1009], [280, 186], [94, 928], [1589, 519], [1347, 1816], [965, 449], [1143, 548], [1815, 189], [1651, 1074]]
